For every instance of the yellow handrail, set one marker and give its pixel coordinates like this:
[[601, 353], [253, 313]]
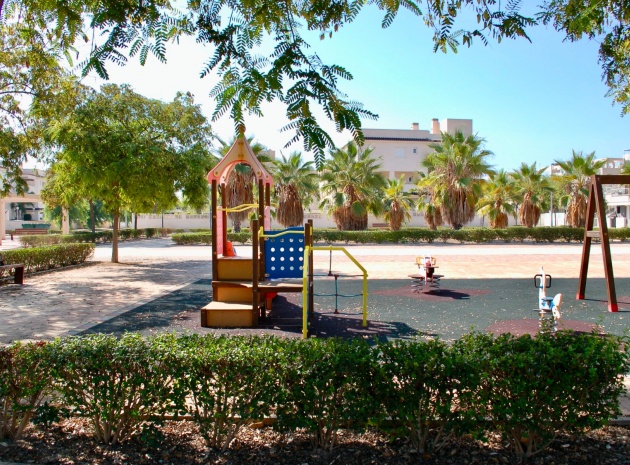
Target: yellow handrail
[[307, 251], [240, 208], [261, 233]]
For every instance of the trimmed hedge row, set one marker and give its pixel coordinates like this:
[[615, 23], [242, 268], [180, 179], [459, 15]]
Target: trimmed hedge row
[[419, 235], [205, 237], [98, 236], [48, 257], [530, 389]]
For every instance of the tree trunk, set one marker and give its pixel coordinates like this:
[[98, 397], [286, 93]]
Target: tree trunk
[[135, 221], [115, 237], [93, 220]]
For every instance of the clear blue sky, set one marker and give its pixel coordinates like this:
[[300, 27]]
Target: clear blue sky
[[530, 101]]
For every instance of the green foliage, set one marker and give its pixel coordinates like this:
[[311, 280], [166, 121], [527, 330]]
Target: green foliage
[[118, 384], [192, 238], [352, 186], [48, 257], [227, 382], [478, 235], [532, 388], [25, 381], [455, 172], [116, 140], [417, 385], [98, 236], [528, 388], [327, 385]]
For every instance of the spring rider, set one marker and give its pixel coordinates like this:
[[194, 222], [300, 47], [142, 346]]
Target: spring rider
[[548, 307]]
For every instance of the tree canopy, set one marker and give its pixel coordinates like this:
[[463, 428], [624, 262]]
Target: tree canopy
[[251, 73], [132, 152]]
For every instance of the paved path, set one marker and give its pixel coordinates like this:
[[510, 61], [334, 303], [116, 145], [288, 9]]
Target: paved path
[[65, 301]]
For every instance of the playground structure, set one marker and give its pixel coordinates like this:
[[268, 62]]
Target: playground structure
[[426, 278], [281, 261], [548, 307]]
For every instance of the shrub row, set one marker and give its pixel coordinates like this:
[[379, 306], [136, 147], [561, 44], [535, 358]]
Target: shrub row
[[470, 235], [48, 257], [98, 236], [205, 237], [419, 235], [528, 388]]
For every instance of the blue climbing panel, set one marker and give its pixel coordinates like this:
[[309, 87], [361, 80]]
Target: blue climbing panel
[[284, 255]]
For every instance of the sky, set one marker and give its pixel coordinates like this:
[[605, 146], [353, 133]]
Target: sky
[[531, 102]]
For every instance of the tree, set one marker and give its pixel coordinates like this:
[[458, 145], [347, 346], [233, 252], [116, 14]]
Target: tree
[[296, 184], [33, 84], [575, 184], [397, 203], [454, 173], [496, 199], [530, 186], [132, 152], [240, 187], [351, 187], [250, 74]]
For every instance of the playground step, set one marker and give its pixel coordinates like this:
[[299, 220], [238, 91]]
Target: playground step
[[228, 315], [234, 268], [293, 285]]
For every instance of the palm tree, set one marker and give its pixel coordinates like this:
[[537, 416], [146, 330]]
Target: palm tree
[[575, 183], [397, 203], [529, 188], [455, 170], [428, 203], [351, 187], [240, 186], [496, 199], [296, 183]]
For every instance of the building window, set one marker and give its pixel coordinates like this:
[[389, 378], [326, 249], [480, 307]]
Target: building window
[[409, 178], [415, 150]]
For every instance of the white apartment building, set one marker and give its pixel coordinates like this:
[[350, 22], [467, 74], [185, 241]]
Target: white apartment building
[[401, 151], [11, 216]]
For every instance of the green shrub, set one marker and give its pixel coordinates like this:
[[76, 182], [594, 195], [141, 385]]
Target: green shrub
[[417, 385], [118, 384], [532, 388], [327, 385], [192, 238], [24, 382], [49, 257], [228, 382]]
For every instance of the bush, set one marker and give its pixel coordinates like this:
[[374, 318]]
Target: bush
[[532, 388], [416, 386], [49, 257], [224, 382], [192, 238], [118, 384], [24, 382], [327, 385]]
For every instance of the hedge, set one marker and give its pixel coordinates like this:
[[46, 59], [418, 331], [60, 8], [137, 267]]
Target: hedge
[[48, 257], [423, 235], [205, 237], [530, 389], [87, 236]]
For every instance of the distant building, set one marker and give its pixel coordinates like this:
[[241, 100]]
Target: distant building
[[402, 150]]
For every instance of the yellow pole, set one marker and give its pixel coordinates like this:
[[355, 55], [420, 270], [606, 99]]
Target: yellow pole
[[305, 293]]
